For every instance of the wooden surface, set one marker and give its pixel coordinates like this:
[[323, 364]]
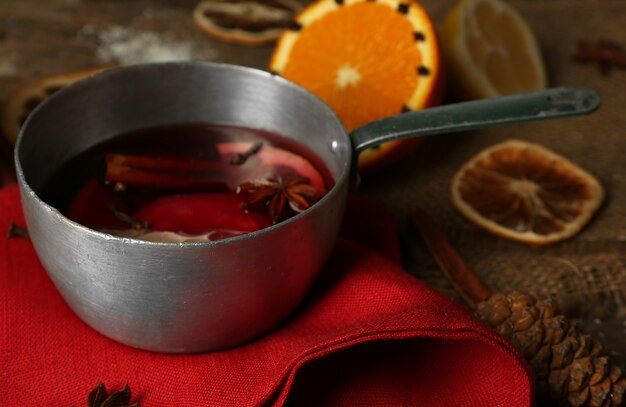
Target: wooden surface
[[587, 274]]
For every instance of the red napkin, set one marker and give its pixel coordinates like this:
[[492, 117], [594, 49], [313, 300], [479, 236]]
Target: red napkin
[[369, 334]]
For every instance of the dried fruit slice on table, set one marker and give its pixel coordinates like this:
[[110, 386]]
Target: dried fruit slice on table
[[489, 51], [24, 99], [367, 60], [525, 192], [247, 22]]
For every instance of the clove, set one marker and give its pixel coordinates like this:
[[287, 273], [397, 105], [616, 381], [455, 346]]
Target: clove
[[17, 231]]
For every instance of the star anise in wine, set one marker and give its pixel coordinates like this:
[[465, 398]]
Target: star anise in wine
[[281, 196]]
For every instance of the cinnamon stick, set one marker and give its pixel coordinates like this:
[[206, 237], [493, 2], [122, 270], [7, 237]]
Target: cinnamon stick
[[163, 163], [464, 281], [165, 172]]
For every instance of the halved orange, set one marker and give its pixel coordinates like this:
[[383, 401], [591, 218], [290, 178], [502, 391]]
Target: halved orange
[[489, 51], [525, 192], [25, 98], [366, 59]]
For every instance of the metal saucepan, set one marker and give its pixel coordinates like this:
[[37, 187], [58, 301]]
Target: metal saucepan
[[198, 297]]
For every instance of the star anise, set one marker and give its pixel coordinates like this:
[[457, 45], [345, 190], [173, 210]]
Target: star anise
[[607, 54], [99, 397], [280, 196]]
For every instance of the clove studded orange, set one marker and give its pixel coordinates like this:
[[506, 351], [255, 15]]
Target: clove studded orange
[[367, 60]]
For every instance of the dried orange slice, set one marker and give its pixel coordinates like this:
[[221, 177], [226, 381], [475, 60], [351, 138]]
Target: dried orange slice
[[525, 192], [366, 59], [24, 99], [490, 51], [247, 22]]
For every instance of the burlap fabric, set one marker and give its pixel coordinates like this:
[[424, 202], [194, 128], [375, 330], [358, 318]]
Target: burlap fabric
[[586, 274]]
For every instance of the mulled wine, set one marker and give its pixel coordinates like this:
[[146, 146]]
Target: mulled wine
[[190, 182]]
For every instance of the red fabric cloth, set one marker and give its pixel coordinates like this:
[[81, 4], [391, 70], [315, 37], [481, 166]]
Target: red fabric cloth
[[369, 334]]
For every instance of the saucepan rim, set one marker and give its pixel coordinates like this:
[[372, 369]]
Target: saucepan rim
[[110, 74]]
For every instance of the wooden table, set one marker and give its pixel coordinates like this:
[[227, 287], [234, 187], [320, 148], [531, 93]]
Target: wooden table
[[587, 275]]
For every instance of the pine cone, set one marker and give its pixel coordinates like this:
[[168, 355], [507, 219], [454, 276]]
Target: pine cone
[[568, 364]]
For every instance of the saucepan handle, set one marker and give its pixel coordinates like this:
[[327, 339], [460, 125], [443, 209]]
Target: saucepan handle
[[545, 104]]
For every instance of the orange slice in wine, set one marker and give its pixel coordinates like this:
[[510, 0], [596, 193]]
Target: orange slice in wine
[[269, 160]]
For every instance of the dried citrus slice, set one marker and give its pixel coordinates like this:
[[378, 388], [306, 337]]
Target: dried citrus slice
[[490, 51], [525, 192], [247, 22], [24, 99], [366, 59]]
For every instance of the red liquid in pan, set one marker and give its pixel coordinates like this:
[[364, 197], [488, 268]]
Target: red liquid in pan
[[189, 182]]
